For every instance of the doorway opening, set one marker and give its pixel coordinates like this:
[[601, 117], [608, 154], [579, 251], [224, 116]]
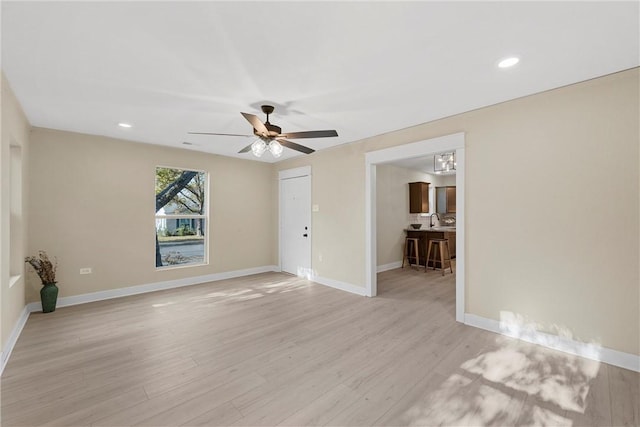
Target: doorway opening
[[454, 142]]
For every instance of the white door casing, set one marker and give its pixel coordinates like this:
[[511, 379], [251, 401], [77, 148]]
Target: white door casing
[[416, 149], [295, 221]]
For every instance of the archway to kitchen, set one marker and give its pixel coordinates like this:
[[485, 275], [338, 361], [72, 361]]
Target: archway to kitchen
[[454, 142]]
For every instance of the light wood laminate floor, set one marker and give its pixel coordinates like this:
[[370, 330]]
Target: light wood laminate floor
[[272, 349]]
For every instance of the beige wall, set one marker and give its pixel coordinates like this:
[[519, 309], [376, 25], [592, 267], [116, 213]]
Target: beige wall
[[565, 254], [337, 245], [548, 239], [92, 205], [15, 132], [447, 181]]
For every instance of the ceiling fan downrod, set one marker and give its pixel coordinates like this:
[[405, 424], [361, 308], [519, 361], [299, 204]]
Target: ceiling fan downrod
[[267, 109]]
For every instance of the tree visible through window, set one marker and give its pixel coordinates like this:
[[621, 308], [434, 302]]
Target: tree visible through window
[[181, 216]]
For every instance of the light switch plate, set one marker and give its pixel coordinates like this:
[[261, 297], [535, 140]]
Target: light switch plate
[[86, 270], [315, 208]]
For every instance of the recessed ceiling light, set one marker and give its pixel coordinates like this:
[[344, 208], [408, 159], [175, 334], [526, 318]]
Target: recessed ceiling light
[[124, 125], [508, 62]]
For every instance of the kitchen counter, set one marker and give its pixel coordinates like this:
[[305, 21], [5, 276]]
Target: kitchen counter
[[427, 234], [433, 229]]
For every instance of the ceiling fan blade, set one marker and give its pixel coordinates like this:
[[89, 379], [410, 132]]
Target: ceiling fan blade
[[294, 146], [245, 149], [311, 134], [222, 134], [256, 123]]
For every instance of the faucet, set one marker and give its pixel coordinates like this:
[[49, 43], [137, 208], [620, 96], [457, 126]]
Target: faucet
[[431, 219]]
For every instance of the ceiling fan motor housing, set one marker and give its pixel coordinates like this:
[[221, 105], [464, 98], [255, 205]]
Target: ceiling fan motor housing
[[273, 130]]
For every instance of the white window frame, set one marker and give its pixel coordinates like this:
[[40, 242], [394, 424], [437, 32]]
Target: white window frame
[[205, 216]]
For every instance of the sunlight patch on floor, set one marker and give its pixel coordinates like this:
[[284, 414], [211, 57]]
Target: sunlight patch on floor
[[511, 382], [546, 417], [278, 284], [562, 380], [163, 304], [228, 294], [244, 294]]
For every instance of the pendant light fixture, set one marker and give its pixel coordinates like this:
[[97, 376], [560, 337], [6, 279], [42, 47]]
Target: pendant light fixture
[[444, 162]]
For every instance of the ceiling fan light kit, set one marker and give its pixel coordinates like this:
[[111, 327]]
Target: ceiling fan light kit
[[275, 148], [259, 147], [270, 136]]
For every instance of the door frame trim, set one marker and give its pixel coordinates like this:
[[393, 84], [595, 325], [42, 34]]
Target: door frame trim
[[417, 149], [288, 174]]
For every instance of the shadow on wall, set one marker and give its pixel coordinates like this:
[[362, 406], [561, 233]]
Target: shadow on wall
[[558, 337]]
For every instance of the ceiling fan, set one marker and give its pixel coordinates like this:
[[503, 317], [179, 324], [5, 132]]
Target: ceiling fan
[[270, 136]]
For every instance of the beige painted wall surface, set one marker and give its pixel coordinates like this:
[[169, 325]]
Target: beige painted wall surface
[[565, 254], [447, 181], [15, 131], [551, 239], [392, 208], [92, 205], [338, 227]]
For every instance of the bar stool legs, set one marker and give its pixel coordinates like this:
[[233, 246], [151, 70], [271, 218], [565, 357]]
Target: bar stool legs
[[438, 246], [411, 244]]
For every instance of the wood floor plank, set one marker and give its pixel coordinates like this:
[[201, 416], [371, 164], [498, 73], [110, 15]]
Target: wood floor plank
[[273, 349], [90, 413], [321, 410], [203, 403], [597, 402], [625, 395], [414, 405], [222, 415]]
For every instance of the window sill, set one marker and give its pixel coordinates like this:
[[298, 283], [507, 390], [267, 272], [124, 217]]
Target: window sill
[[176, 266]]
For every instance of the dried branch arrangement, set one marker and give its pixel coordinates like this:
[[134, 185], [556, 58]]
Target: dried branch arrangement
[[43, 266]]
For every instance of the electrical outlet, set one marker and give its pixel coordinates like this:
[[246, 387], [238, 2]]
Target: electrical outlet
[[86, 270], [320, 257]]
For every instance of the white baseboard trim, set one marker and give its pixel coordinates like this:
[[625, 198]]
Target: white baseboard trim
[[152, 287], [13, 338], [387, 267], [343, 286], [556, 342]]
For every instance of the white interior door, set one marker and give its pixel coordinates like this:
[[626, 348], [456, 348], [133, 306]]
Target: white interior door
[[295, 225]]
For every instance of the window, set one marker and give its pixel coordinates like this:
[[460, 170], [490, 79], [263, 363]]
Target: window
[[181, 217]]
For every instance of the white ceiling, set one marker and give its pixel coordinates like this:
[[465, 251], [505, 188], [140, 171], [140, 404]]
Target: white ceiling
[[362, 68]]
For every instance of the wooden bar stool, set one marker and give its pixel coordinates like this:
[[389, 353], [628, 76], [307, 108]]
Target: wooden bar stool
[[438, 246], [411, 244]]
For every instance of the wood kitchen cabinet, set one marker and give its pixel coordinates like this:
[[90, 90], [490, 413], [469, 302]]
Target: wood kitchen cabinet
[[418, 197], [446, 200]]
